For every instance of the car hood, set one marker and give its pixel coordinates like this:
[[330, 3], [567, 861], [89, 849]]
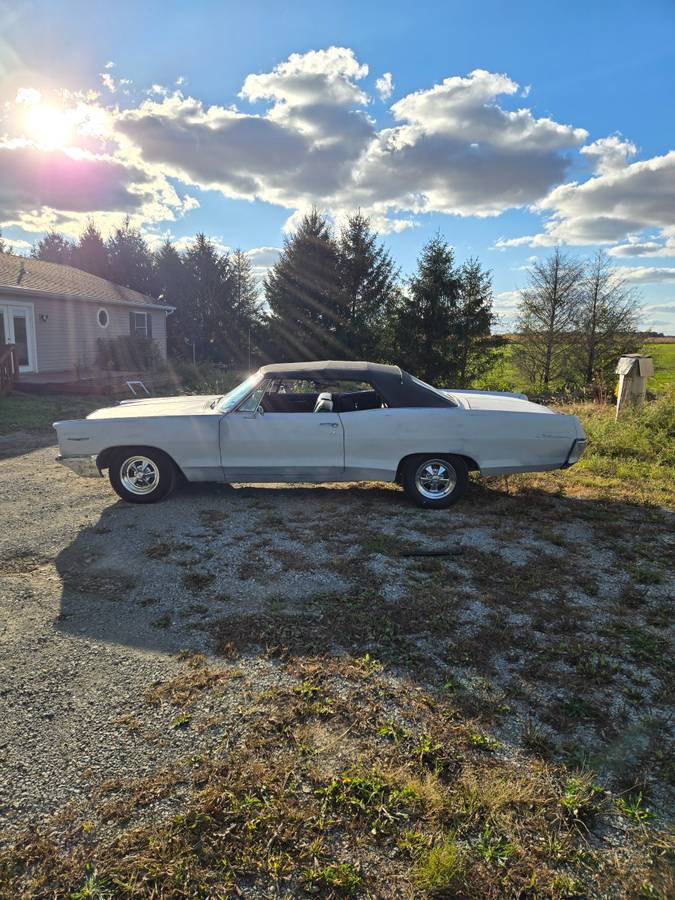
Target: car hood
[[494, 401], [157, 406]]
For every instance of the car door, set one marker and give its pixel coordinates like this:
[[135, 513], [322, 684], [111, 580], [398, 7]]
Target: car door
[[284, 446]]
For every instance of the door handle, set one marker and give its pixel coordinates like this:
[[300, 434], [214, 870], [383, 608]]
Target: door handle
[[328, 424]]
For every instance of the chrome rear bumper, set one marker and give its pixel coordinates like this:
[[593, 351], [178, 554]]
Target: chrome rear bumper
[[81, 465], [575, 453]]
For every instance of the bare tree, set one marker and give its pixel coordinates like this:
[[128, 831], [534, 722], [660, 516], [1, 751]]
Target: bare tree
[[607, 319], [547, 317]]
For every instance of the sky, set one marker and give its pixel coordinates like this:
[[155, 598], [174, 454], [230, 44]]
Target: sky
[[509, 127]]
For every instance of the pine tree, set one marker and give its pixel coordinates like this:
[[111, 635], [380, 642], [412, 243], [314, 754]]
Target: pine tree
[[53, 248], [606, 322], [246, 305], [547, 316], [368, 283], [130, 260], [172, 286], [303, 293], [210, 306], [473, 323], [90, 254], [425, 316]]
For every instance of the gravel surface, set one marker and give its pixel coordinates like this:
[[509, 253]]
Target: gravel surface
[[98, 599]]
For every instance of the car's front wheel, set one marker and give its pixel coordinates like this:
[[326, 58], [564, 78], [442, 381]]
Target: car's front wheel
[[142, 474], [435, 481]]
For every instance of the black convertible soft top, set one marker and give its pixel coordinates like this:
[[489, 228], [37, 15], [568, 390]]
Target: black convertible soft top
[[395, 386]]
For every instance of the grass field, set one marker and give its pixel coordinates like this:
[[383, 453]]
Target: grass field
[[503, 376]]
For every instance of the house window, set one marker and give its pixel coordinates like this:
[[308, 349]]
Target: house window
[[103, 318], [140, 324]]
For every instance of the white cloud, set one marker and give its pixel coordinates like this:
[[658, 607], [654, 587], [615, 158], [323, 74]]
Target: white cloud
[[262, 259], [455, 150], [17, 245], [28, 96], [114, 85], [608, 154], [385, 86], [638, 247], [646, 274], [622, 200]]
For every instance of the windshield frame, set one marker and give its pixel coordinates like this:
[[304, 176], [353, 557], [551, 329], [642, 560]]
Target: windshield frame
[[239, 394]]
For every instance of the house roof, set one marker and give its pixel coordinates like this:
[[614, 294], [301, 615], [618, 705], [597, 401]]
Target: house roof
[[24, 275]]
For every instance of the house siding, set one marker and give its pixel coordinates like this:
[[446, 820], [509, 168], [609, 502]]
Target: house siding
[[68, 337]]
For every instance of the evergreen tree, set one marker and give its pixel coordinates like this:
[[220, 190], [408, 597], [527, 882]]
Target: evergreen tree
[[473, 323], [90, 254], [210, 306], [3, 245], [129, 259], [547, 316], [53, 248], [427, 315], [172, 286], [303, 293], [606, 323], [246, 305], [368, 284]]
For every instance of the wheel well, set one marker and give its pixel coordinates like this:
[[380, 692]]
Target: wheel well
[[104, 457], [471, 464]]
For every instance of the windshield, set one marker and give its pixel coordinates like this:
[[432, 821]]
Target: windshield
[[237, 394]]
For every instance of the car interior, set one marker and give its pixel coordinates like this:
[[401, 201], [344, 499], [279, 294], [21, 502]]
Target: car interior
[[289, 395]]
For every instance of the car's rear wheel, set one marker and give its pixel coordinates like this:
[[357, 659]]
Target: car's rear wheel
[[142, 474], [435, 481]]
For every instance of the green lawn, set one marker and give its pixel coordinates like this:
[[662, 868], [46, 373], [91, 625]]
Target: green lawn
[[26, 412], [503, 376], [664, 364]]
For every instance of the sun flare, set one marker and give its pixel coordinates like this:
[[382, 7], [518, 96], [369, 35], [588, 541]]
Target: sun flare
[[48, 126]]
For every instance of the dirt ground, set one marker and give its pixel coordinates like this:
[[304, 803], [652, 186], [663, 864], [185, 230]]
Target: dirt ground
[[545, 618]]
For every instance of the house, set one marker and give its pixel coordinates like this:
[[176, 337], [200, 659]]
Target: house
[[55, 314]]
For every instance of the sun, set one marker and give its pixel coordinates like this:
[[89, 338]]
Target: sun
[[48, 126]]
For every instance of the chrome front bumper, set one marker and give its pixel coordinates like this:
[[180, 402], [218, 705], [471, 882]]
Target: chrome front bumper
[[81, 465]]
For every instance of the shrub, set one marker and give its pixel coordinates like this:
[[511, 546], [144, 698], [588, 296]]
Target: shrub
[[205, 377], [129, 353], [646, 434]]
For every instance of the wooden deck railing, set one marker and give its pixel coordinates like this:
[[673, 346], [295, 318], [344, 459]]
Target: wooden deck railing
[[9, 370]]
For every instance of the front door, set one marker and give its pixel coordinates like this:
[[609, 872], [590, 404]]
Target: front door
[[16, 327], [289, 446]]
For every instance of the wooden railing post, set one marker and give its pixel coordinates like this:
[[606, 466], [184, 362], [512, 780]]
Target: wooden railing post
[[9, 370]]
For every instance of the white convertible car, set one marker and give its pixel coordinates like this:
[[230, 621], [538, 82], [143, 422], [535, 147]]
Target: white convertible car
[[318, 422]]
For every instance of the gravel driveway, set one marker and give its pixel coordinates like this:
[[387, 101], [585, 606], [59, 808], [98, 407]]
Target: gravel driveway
[[137, 642]]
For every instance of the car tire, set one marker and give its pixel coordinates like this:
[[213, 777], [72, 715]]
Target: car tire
[[435, 481], [142, 474]]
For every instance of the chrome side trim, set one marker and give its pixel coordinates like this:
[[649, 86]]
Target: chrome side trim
[[81, 465]]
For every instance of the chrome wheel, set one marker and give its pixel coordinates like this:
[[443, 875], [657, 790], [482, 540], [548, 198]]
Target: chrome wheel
[[435, 479], [139, 475]]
